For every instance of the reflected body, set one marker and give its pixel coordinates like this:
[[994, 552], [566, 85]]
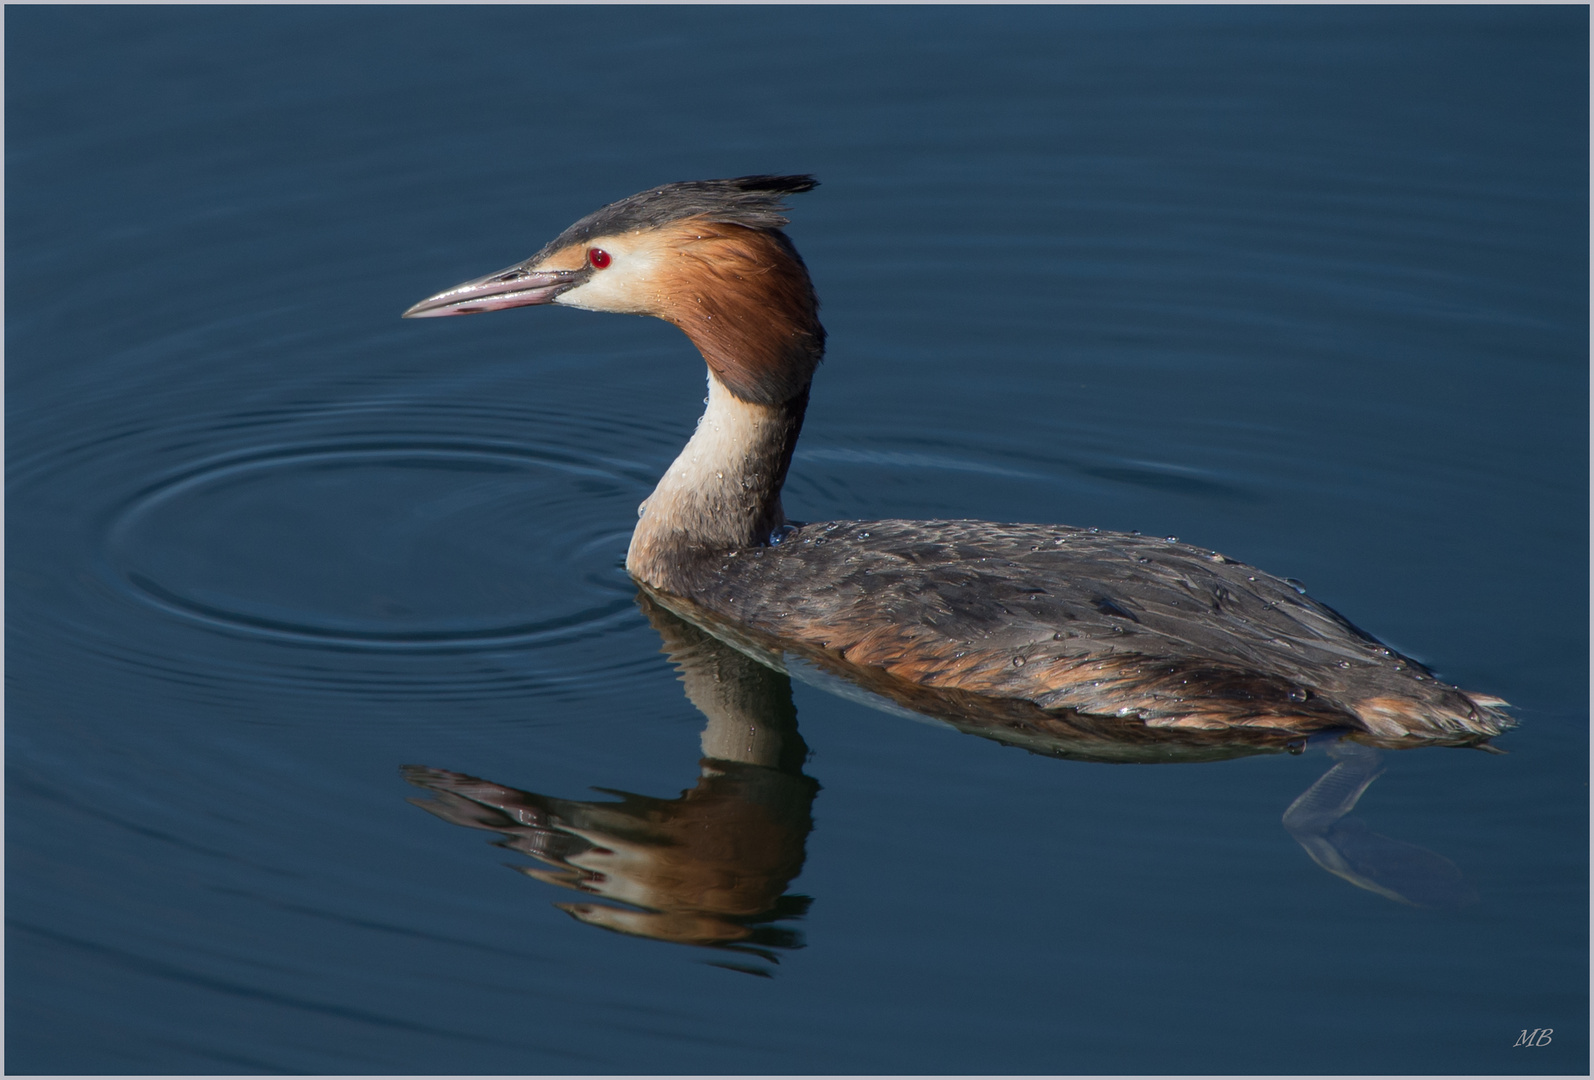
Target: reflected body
[[1136, 637]]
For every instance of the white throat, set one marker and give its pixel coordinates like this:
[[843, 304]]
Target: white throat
[[723, 491]]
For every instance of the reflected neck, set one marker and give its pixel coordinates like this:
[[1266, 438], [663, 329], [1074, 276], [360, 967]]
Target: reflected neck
[[722, 493]]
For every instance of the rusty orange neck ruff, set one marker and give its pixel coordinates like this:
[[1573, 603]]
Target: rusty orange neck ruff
[[744, 298]]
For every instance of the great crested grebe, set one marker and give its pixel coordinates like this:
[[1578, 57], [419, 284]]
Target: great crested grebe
[[1154, 635]]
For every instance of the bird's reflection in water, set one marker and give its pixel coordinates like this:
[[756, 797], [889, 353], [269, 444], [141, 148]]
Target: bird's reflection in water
[[711, 867], [708, 868]]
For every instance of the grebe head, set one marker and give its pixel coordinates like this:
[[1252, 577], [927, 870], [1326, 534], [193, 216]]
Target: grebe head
[[706, 255]]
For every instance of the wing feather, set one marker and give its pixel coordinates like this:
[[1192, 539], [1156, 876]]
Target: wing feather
[[1105, 624]]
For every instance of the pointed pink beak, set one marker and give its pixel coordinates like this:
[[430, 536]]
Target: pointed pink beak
[[514, 287]]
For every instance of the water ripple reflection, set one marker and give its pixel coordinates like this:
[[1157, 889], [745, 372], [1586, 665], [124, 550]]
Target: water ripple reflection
[[379, 545]]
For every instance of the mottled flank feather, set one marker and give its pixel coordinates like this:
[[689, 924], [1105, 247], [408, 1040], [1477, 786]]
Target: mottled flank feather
[[1169, 636]]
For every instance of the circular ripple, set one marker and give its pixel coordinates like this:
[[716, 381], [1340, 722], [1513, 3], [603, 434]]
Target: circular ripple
[[382, 546]]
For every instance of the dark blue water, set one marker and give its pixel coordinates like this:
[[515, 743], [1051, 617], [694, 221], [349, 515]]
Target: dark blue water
[[1308, 286]]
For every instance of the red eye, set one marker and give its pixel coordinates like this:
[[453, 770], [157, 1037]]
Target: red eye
[[598, 257]]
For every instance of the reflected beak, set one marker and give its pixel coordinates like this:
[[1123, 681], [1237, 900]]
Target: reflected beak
[[515, 287]]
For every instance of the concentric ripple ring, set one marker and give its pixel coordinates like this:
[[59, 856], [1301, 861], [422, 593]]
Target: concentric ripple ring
[[382, 545]]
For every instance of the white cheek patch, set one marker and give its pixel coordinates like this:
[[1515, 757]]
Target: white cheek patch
[[622, 285]]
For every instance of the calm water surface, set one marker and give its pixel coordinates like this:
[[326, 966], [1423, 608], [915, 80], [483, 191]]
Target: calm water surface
[[1305, 286]]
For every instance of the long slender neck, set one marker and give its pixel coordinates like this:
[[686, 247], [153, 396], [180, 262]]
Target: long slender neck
[[743, 297], [721, 494]]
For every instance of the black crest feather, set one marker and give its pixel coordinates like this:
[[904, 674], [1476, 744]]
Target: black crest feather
[[753, 201]]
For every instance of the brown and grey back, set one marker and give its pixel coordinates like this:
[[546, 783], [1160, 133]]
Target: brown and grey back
[[1149, 632]]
